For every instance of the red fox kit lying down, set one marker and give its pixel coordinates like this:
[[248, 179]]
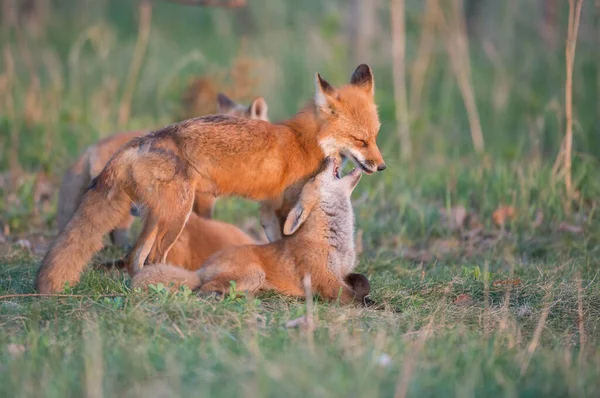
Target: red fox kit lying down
[[163, 171], [78, 177], [199, 239], [319, 242]]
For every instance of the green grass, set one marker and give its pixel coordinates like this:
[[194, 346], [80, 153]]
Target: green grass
[[420, 341], [160, 344]]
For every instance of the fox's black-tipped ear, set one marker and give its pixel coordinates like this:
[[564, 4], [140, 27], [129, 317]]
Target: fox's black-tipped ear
[[224, 103], [324, 92], [258, 109], [363, 77]]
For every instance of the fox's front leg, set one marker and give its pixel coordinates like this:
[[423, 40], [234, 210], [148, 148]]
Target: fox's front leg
[[137, 256], [269, 220]]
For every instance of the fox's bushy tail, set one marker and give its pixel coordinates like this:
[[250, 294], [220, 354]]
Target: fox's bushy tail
[[99, 212], [168, 275], [73, 184]]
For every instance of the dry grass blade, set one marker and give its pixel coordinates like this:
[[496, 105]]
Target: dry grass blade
[[423, 58], [580, 313], [13, 157], [410, 363], [486, 298], [399, 75], [573, 28], [310, 323], [537, 334], [455, 39], [145, 13], [93, 360]]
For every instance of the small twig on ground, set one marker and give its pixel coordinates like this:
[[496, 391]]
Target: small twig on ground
[[581, 319], [210, 3], [535, 340], [9, 296]]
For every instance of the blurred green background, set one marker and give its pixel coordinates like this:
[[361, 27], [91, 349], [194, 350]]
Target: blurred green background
[[75, 71], [71, 62]]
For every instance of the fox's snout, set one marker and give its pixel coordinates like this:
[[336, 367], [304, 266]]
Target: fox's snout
[[374, 159]]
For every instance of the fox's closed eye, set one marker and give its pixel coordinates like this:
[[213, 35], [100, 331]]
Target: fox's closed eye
[[362, 142]]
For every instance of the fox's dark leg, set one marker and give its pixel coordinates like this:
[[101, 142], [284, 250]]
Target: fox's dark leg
[[269, 220], [204, 204], [120, 235], [173, 213], [137, 256]]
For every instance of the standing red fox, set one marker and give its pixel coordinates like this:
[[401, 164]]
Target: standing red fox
[[78, 177], [320, 244], [216, 155]]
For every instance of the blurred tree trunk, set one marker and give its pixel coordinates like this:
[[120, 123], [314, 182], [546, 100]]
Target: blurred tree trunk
[[362, 25]]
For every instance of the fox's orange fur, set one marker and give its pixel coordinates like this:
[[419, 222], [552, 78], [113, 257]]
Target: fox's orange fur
[[216, 155], [321, 244], [78, 177]]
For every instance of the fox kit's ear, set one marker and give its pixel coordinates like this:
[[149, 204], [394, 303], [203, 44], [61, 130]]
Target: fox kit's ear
[[224, 103], [258, 109], [295, 218], [363, 77], [324, 93]]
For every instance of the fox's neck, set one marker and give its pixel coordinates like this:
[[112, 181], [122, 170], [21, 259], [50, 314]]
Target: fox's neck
[[305, 126], [331, 224]]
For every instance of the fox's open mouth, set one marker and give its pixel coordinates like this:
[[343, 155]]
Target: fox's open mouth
[[361, 164], [336, 171]]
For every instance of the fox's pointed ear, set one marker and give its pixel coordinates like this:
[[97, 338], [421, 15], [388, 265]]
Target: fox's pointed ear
[[324, 93], [363, 77], [258, 109], [295, 218], [224, 103]]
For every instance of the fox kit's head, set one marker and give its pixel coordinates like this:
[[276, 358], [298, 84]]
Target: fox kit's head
[[256, 110], [330, 192], [349, 121]]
